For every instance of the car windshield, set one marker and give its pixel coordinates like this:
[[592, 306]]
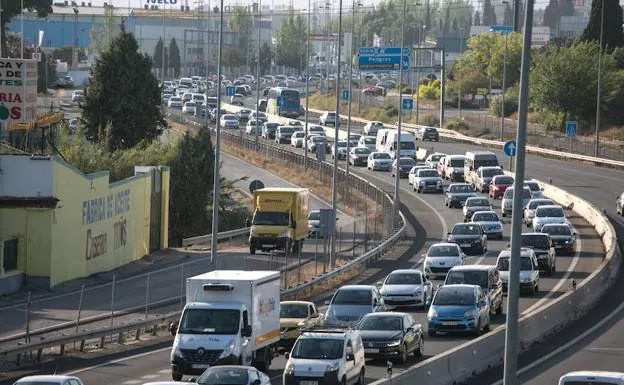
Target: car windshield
[[525, 264], [385, 323], [314, 216], [407, 162], [549, 212], [270, 218], [361, 150], [534, 241], [535, 204], [490, 172], [271, 126], [352, 297], [460, 188], [485, 217], [427, 173], [318, 348], [229, 117], [526, 193], [381, 155], [341, 144], [486, 163], [557, 230], [290, 310], [286, 130], [404, 279], [298, 135], [457, 277], [435, 158], [406, 145], [457, 163], [331, 114], [533, 186], [477, 202], [454, 296], [318, 139], [466, 229], [224, 376], [369, 140], [209, 321], [443, 251]]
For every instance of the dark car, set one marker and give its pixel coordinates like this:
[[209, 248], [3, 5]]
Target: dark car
[[391, 335], [544, 251], [486, 276], [562, 237], [213, 114], [269, 129], [404, 166], [428, 133], [358, 156], [475, 204], [457, 193], [470, 237]]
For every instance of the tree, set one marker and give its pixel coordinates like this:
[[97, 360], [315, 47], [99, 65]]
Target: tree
[[551, 14], [291, 42], [103, 34], [266, 57], [123, 92], [64, 54], [488, 12], [613, 34], [158, 54], [12, 8], [174, 62], [241, 23], [477, 18], [446, 27]]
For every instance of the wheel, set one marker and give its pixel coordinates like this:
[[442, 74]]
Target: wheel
[[420, 351], [176, 376], [403, 357], [445, 203], [499, 309], [536, 288], [478, 328], [487, 327], [252, 250], [360, 380], [424, 305], [431, 333]]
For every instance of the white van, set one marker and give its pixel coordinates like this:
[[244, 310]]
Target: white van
[[185, 83], [476, 159], [380, 143], [592, 377], [408, 146]]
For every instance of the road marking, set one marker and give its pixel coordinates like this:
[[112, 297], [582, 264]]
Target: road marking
[[132, 382], [150, 376], [164, 371], [124, 359], [606, 349]]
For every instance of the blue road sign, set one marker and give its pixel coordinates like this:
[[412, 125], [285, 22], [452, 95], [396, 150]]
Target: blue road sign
[[510, 148], [376, 51], [345, 95], [571, 128], [281, 101], [383, 59], [230, 91], [408, 103]]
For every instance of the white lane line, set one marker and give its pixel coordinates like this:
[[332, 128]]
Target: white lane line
[[108, 363], [563, 280], [132, 382], [606, 349], [574, 342], [150, 376], [164, 371]]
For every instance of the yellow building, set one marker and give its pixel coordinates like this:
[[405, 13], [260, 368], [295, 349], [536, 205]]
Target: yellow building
[[58, 224]]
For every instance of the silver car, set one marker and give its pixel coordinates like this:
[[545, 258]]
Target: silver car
[[473, 205], [529, 209], [548, 215], [406, 287], [427, 180], [507, 204], [350, 303]]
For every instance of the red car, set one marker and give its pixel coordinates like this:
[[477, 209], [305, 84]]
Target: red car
[[498, 185], [374, 91]]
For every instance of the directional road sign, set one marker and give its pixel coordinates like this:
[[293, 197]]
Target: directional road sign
[[408, 103], [571, 128], [510, 148], [230, 91], [255, 185], [345, 95], [503, 29], [383, 59]]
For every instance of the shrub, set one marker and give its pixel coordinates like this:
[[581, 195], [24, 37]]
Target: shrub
[[430, 120], [457, 125], [429, 92], [511, 106], [436, 83]]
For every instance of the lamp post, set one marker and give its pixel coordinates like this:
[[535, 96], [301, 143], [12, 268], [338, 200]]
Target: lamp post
[[336, 133], [258, 69], [502, 122], [397, 157], [597, 150], [307, 92], [76, 11], [459, 90], [350, 56]]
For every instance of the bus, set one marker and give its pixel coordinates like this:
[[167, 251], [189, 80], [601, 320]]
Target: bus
[[293, 105]]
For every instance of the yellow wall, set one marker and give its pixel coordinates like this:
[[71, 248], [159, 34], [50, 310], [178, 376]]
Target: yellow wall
[[96, 226], [32, 228]]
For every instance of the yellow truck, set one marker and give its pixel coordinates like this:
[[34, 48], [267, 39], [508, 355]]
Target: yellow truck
[[280, 219]]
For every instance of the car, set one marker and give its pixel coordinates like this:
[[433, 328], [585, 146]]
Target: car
[[52, 379], [507, 203], [619, 204], [459, 308], [457, 193], [339, 149], [562, 237], [284, 133], [253, 127], [295, 315], [473, 205], [536, 189], [213, 114], [371, 128], [229, 121], [402, 166], [355, 137], [486, 276], [201, 111], [268, 130], [594, 377], [374, 91], [77, 96], [427, 133], [297, 138], [470, 237], [529, 270], [243, 114], [65, 82], [406, 287], [427, 180], [379, 161], [350, 303], [439, 167], [314, 224], [327, 118], [317, 140], [543, 248], [294, 123], [166, 97], [325, 357], [433, 159], [440, 258], [391, 336], [189, 107], [529, 210], [484, 176], [233, 374], [367, 142], [546, 215], [237, 99], [498, 185], [489, 222], [358, 156], [314, 129], [259, 115], [411, 177], [187, 96], [175, 102]]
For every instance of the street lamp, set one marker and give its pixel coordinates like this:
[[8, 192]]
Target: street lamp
[[76, 11], [502, 122], [258, 69], [597, 150], [307, 93], [459, 91], [336, 136]]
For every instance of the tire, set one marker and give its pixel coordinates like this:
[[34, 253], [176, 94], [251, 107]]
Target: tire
[[487, 327], [499, 309], [431, 333], [424, 305], [252, 250], [360, 380], [478, 328], [403, 357], [343, 381], [420, 351], [176, 376]]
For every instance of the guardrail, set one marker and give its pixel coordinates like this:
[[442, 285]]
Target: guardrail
[[186, 242]]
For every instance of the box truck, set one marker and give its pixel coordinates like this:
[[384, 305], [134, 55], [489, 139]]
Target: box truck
[[231, 317], [280, 219]]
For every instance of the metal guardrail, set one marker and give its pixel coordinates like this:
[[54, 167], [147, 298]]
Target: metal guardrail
[[186, 242]]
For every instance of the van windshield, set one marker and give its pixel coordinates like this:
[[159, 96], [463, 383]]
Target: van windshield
[[490, 172], [526, 193], [318, 348], [525, 264], [457, 163], [468, 278], [534, 241], [270, 218], [210, 321], [485, 163], [549, 212], [406, 145]]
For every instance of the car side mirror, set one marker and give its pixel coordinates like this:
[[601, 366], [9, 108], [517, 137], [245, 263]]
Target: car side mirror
[[448, 233], [173, 328], [286, 355], [246, 332], [257, 382], [350, 357], [326, 303], [247, 222]]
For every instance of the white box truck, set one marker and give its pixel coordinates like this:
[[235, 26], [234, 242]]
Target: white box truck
[[230, 317]]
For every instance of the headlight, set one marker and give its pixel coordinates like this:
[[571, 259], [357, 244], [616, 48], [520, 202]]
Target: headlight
[[394, 343], [569, 241], [252, 233], [525, 279], [283, 234], [290, 367], [439, 182], [331, 368], [229, 350], [176, 353], [471, 313], [432, 314]]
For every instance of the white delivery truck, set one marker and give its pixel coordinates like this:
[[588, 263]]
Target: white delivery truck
[[230, 317]]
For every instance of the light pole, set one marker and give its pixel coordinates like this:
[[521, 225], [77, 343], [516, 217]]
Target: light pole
[[215, 183], [258, 69], [397, 157], [350, 56], [597, 150], [307, 92], [76, 11], [336, 138], [502, 124], [459, 91]]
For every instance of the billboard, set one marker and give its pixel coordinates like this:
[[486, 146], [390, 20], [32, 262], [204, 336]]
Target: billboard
[[18, 90]]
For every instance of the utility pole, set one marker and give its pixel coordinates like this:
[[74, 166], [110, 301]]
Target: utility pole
[[336, 138], [350, 58], [258, 69], [597, 149], [307, 92], [397, 150]]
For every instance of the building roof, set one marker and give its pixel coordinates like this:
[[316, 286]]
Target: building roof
[[28, 202]]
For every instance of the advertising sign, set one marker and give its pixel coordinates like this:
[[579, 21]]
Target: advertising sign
[[18, 90]]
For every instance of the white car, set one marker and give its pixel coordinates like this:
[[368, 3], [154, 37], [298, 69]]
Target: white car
[[529, 270], [261, 116], [77, 96], [379, 161], [228, 374], [489, 222], [474, 204], [426, 180], [367, 142], [49, 380], [536, 190], [229, 121], [529, 209], [408, 287], [433, 159], [297, 138], [411, 177], [189, 107], [316, 141], [327, 117], [175, 102], [548, 214], [371, 128], [253, 127], [237, 99], [315, 129], [440, 258]]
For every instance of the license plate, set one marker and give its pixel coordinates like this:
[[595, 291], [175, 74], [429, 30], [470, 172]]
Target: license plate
[[558, 246], [465, 244], [201, 366], [450, 323], [371, 350], [308, 383]]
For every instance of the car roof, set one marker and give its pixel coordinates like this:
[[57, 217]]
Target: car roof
[[406, 271], [535, 233], [47, 378], [490, 167], [443, 244], [458, 184], [524, 252], [540, 200], [458, 285], [386, 313], [296, 303], [557, 224], [472, 267], [356, 287], [476, 198], [549, 207]]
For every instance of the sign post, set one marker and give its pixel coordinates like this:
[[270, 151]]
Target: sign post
[[383, 59], [510, 150], [571, 127]]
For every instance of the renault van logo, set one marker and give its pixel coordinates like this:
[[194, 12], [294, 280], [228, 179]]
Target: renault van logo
[[200, 351]]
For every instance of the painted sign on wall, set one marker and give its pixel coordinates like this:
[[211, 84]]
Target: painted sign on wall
[[18, 90], [101, 208]]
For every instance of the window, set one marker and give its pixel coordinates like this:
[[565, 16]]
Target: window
[[9, 262]]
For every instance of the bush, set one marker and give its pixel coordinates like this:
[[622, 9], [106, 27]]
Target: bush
[[457, 125], [511, 106], [424, 81], [430, 120], [436, 83], [429, 92]]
